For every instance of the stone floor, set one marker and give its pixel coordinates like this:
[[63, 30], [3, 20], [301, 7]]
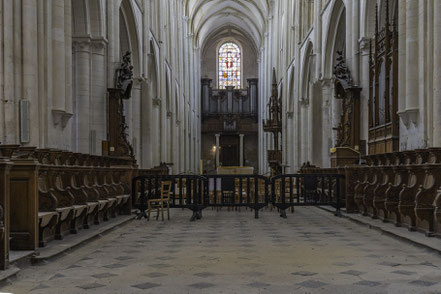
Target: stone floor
[[231, 252]]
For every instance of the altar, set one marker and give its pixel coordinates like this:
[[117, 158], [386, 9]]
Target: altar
[[235, 170]]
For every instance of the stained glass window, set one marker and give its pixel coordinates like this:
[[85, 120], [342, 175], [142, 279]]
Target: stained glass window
[[229, 65]]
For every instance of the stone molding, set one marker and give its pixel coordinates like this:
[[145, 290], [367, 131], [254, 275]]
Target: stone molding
[[156, 101], [364, 45], [61, 117], [81, 44], [99, 45], [409, 116], [304, 102]]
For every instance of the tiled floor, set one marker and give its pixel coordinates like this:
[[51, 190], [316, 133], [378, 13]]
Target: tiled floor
[[231, 252]]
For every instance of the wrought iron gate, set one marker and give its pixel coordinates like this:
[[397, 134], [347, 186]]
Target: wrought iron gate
[[256, 192]]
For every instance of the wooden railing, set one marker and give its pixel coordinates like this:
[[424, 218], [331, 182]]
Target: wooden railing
[[400, 187], [46, 194]]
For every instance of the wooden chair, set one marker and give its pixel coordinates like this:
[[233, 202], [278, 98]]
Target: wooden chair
[[159, 203]]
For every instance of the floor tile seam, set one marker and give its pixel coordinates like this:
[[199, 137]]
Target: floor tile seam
[[388, 233]]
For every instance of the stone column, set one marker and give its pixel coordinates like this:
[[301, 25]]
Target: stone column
[[412, 55], [327, 131], [146, 127], [217, 149], [355, 27], [349, 34], [68, 57], [30, 66], [98, 102], [82, 78], [437, 75], [58, 55], [364, 83], [252, 88], [206, 94], [241, 149]]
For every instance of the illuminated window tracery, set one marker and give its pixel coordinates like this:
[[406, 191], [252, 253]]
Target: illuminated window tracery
[[229, 65]]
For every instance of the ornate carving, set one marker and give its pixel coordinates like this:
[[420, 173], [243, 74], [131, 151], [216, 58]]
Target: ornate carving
[[348, 129], [341, 70], [156, 101], [274, 125], [124, 75], [383, 88]]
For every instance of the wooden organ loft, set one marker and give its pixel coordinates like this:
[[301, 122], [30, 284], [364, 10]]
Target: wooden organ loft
[[383, 88], [229, 126]]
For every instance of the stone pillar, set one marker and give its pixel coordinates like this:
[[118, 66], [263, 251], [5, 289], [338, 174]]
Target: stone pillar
[[349, 34], [327, 131], [68, 58], [217, 149], [364, 83], [2, 120], [412, 55], [156, 127], [206, 94], [98, 110], [30, 65], [58, 55], [437, 75], [252, 88], [146, 127], [5, 166], [82, 78], [355, 27], [241, 150], [402, 56]]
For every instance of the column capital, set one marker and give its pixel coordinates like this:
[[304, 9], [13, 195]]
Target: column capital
[[99, 45], [81, 44]]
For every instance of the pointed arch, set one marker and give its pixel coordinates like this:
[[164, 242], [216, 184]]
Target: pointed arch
[[129, 38], [336, 21]]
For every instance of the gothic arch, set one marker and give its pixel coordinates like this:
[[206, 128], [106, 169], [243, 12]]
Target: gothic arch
[[369, 18], [370, 12], [335, 21], [129, 35], [307, 70], [87, 18]]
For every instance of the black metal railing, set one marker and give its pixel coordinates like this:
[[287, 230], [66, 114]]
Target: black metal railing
[[238, 191], [188, 191], [253, 191], [306, 190]]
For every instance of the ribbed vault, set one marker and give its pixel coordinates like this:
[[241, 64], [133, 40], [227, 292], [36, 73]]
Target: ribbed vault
[[207, 16]]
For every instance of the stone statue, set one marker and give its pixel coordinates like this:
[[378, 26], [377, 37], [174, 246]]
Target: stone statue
[[124, 75]]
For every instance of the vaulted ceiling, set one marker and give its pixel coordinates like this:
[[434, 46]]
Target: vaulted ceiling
[[207, 17]]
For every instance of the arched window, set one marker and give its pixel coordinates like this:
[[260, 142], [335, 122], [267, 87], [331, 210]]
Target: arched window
[[229, 65]]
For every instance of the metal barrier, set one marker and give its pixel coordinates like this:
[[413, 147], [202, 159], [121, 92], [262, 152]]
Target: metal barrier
[[238, 191], [198, 192], [188, 191], [288, 191]]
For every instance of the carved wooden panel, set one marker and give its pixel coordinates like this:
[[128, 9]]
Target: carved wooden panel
[[383, 89]]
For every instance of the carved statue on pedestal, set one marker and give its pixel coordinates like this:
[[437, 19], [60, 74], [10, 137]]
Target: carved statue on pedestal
[[118, 144]]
